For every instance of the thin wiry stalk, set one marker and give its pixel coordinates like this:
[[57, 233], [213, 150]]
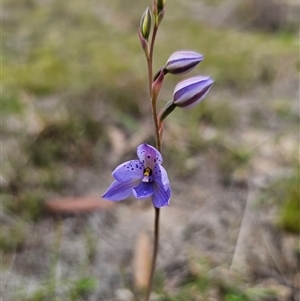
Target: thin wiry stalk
[[153, 99], [155, 251], [158, 146]]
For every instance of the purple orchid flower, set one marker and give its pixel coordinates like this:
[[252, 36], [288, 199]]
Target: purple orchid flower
[[144, 178]]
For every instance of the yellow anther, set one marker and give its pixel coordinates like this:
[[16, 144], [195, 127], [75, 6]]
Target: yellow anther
[[147, 172]]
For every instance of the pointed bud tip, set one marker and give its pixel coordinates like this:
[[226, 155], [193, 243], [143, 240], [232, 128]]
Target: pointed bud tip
[[160, 4], [158, 10]]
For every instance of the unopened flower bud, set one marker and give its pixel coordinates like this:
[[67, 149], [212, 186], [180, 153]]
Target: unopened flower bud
[[159, 10], [160, 4], [192, 91], [145, 24], [181, 62]]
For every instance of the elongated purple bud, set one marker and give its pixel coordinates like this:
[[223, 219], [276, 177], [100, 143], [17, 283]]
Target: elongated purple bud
[[181, 62], [190, 92]]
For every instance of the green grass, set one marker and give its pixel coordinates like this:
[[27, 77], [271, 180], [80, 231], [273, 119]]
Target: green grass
[[194, 288], [219, 114], [233, 157], [285, 195], [70, 49], [73, 52], [285, 111], [82, 287], [289, 219], [27, 204], [13, 238], [70, 290], [248, 59], [200, 282], [71, 142]]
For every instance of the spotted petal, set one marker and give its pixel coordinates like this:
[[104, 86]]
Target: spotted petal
[[143, 190], [128, 171], [149, 155], [119, 191]]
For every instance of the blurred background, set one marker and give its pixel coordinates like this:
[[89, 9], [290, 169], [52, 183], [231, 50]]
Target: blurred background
[[75, 105]]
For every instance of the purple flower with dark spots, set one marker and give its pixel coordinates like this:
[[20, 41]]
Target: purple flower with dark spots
[[144, 177], [181, 62], [192, 91]]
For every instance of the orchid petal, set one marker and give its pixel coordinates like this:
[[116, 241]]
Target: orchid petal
[[143, 190], [161, 176], [149, 155], [128, 171], [119, 191], [161, 196]]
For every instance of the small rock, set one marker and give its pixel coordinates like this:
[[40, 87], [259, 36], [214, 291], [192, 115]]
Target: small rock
[[282, 292], [124, 295], [240, 177], [213, 295], [154, 297], [3, 182], [297, 281]]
